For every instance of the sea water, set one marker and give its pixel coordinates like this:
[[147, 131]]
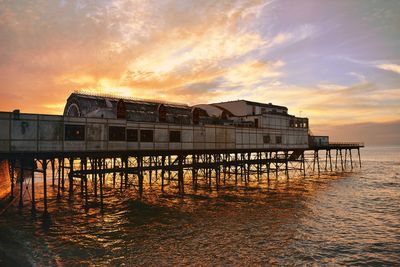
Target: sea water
[[350, 218]]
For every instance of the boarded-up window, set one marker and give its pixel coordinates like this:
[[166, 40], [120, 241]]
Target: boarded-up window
[[175, 136], [146, 135], [121, 109], [74, 132], [132, 135], [162, 113], [278, 139], [116, 133], [266, 139], [196, 116]]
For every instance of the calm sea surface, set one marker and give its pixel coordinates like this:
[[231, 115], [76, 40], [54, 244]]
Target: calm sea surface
[[351, 218]]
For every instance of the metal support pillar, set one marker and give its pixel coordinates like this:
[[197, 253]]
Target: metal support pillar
[[53, 174], [351, 159], [100, 166], [126, 172], [326, 159], [150, 171], [336, 160], [59, 179], [114, 173], [286, 165], [341, 159], [121, 176], [21, 184], [44, 165], [33, 188], [194, 172], [140, 175], [162, 172], [12, 174], [304, 164], [180, 175], [71, 178], [86, 183], [94, 176], [63, 174], [81, 182], [236, 168]]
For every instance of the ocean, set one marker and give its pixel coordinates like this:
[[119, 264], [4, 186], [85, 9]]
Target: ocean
[[350, 218]]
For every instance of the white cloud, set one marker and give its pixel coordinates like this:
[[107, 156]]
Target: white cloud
[[389, 67]]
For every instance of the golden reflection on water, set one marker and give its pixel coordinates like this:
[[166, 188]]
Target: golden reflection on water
[[331, 219], [4, 179]]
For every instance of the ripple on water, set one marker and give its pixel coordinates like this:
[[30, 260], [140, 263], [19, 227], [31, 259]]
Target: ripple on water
[[335, 219]]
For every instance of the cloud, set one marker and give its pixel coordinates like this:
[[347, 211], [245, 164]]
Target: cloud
[[360, 77], [390, 67], [141, 48], [185, 51], [253, 72]]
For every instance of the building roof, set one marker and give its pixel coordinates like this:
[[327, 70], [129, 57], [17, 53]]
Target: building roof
[[248, 102], [127, 99]]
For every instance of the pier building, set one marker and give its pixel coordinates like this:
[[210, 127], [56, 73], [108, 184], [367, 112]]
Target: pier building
[[103, 140]]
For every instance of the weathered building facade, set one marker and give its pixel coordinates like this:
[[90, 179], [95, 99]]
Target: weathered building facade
[[105, 123]]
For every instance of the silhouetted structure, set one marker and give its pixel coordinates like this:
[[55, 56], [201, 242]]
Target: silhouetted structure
[[103, 140]]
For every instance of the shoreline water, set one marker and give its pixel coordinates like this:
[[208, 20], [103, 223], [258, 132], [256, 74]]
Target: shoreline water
[[348, 218]]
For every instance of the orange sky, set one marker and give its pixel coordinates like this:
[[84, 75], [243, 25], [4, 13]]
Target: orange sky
[[197, 52]]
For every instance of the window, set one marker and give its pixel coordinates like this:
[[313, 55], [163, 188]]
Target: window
[[196, 116], [116, 133], [74, 132], [175, 136], [146, 135], [256, 123], [266, 139], [263, 110], [121, 109], [132, 135], [162, 113], [279, 139], [254, 110]]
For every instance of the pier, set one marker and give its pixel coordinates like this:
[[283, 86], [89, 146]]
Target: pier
[[103, 142], [87, 173]]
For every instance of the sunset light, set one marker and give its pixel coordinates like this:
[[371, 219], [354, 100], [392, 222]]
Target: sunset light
[[336, 69]]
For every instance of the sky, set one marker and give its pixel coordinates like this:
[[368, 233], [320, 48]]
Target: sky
[[335, 62]]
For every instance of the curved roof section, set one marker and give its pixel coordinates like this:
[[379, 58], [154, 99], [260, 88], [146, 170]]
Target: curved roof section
[[110, 97], [213, 111]]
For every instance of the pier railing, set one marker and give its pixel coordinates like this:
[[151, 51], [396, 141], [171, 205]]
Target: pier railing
[[338, 145]]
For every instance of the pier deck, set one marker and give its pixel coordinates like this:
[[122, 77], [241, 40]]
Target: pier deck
[[90, 172]]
